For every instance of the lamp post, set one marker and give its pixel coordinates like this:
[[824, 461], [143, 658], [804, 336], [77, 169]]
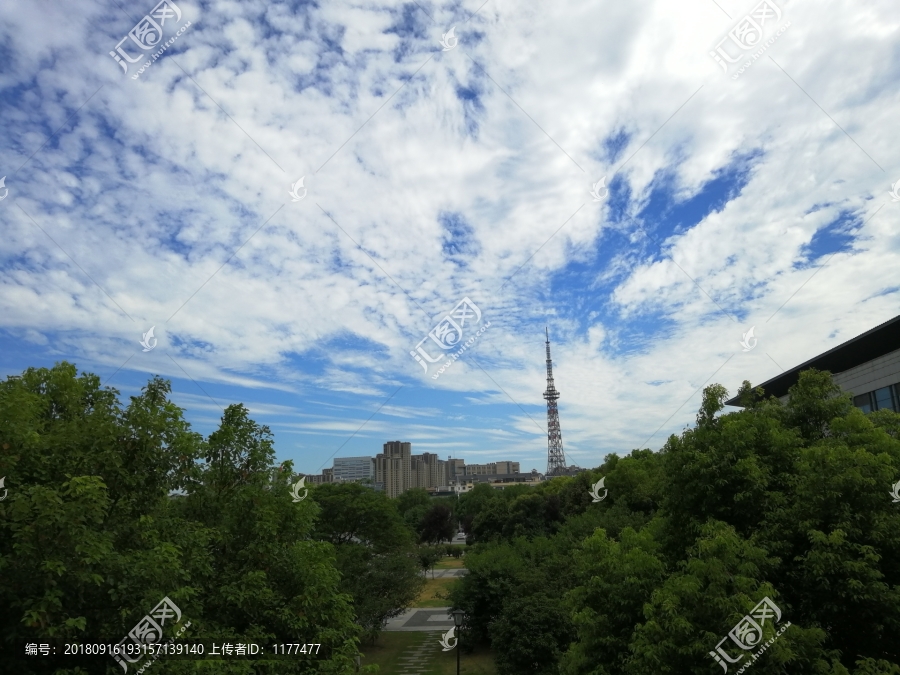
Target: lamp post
[[357, 663], [458, 615]]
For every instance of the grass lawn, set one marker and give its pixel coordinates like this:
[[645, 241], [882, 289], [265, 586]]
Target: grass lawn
[[386, 651], [479, 662], [391, 645], [432, 586], [450, 564]]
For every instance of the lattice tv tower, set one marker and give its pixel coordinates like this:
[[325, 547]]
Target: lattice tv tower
[[556, 458]]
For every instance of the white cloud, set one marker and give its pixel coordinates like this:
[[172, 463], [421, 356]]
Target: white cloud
[[151, 187]]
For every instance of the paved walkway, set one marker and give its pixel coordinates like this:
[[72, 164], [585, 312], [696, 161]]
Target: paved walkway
[[415, 659], [422, 619], [454, 572]]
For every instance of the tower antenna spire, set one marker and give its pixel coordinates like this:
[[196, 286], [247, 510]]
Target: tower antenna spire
[[556, 458]]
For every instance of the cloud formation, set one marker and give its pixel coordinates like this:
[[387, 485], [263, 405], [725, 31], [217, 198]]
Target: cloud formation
[[433, 175]]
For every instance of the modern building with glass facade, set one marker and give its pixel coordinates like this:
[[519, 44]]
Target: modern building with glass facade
[[867, 367], [353, 468]]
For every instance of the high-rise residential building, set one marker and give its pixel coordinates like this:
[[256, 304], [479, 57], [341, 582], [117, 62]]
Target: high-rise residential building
[[418, 474], [436, 469], [426, 471], [354, 468], [392, 467]]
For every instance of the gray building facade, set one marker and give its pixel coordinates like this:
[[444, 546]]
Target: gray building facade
[[867, 367]]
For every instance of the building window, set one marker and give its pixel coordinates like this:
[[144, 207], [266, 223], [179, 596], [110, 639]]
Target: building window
[[884, 399], [863, 402], [880, 399]]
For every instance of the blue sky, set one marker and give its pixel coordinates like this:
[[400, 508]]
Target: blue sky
[[437, 171]]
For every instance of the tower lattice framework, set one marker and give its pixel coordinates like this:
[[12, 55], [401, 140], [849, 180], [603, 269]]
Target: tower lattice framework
[[556, 458]]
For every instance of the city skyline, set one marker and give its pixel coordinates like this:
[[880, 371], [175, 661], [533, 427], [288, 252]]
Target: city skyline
[[397, 469]]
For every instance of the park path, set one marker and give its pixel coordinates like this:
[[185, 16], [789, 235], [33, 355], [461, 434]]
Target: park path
[[452, 572], [415, 659], [433, 621], [421, 619]]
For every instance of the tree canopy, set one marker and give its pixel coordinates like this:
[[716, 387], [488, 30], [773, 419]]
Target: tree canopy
[[111, 509], [786, 501]]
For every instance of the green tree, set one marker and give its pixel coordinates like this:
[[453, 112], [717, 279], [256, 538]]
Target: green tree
[[429, 556], [437, 525], [375, 551], [413, 505], [781, 500], [472, 503], [530, 634], [617, 578], [111, 509]]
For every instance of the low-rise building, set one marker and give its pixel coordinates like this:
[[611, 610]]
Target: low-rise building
[[327, 476], [492, 468], [353, 468], [498, 481]]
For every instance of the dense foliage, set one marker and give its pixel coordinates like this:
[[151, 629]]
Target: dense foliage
[[376, 555], [110, 509], [787, 501]]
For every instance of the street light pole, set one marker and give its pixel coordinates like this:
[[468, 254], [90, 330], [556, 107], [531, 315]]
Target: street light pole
[[458, 615]]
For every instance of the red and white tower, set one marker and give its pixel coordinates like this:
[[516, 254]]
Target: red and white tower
[[556, 458]]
